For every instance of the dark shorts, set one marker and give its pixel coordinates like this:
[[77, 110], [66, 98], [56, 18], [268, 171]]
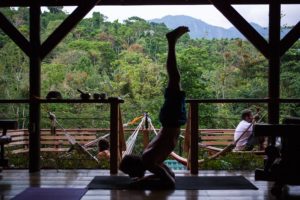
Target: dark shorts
[[173, 112]]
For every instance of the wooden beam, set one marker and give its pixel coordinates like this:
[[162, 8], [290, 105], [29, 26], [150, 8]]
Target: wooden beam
[[274, 62], [14, 34], [122, 141], [242, 25], [274, 65], [289, 39], [114, 136], [66, 26], [194, 138], [34, 86], [22, 3]]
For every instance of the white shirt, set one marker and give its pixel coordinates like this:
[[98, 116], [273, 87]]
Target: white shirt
[[240, 129]]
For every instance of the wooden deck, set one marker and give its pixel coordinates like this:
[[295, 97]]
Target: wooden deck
[[13, 182]]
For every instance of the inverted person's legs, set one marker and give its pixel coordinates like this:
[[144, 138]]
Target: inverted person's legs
[[172, 70]]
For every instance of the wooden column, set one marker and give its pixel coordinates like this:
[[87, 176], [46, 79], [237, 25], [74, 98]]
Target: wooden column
[[114, 136], [274, 63], [194, 138], [145, 137], [35, 87], [187, 133], [146, 132], [122, 142]]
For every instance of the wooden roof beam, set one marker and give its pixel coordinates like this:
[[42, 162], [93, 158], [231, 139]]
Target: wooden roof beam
[[289, 39], [14, 34], [24, 3], [66, 26], [243, 26]]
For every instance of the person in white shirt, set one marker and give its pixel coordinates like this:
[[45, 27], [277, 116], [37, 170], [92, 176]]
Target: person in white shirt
[[243, 132]]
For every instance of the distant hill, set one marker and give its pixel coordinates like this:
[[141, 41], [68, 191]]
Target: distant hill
[[200, 29]]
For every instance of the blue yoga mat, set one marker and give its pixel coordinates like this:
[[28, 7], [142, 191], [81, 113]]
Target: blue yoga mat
[[51, 194]]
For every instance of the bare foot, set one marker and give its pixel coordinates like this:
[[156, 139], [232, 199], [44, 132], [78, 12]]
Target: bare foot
[[177, 33]]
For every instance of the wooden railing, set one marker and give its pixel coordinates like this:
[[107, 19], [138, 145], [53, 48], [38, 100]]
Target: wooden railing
[[59, 142], [192, 133], [34, 147]]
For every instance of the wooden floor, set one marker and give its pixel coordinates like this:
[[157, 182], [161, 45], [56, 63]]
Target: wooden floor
[[13, 182]]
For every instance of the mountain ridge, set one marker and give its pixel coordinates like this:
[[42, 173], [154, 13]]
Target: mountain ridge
[[201, 29]]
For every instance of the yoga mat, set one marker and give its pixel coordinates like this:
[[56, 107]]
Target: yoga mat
[[51, 194], [182, 183]]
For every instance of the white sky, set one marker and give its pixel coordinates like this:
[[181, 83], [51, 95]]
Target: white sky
[[209, 14]]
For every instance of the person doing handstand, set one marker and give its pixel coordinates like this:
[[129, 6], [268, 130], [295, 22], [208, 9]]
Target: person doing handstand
[[172, 115]]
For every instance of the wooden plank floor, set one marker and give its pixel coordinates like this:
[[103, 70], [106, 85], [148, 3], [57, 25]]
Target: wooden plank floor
[[13, 182]]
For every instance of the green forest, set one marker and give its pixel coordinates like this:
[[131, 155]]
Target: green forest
[[127, 60]]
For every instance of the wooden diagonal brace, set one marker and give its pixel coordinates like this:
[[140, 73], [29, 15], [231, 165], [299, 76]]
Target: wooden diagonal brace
[[243, 26], [66, 26], [14, 34], [290, 39]]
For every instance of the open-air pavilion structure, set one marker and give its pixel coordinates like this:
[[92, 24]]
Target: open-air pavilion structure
[[272, 49]]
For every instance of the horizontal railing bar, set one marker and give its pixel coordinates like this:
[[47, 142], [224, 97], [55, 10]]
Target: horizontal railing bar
[[289, 100], [14, 101], [227, 100], [109, 100]]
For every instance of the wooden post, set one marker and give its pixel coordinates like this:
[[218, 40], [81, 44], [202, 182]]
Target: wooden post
[[187, 138], [114, 136], [187, 134], [122, 142], [274, 64], [35, 87], [146, 131], [145, 137], [194, 138]]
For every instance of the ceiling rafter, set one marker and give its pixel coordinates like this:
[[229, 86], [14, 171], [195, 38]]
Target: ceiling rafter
[[24, 3]]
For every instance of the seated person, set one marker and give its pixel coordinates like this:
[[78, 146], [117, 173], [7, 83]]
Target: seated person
[[103, 148], [244, 133], [172, 116]]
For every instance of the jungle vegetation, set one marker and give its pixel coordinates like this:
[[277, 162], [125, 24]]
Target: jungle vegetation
[[127, 60]]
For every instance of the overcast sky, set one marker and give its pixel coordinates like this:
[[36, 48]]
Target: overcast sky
[[252, 13]]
